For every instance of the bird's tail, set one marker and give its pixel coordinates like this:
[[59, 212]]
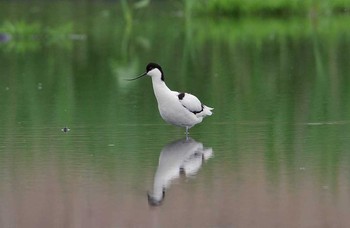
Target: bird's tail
[[206, 111]]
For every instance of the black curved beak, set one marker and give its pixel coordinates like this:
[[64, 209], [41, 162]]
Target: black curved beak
[[144, 74]]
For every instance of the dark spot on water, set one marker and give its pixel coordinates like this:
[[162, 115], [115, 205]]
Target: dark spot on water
[[65, 129]]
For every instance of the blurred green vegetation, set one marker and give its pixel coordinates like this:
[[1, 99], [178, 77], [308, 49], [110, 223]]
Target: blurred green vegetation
[[273, 7], [279, 87], [22, 36]]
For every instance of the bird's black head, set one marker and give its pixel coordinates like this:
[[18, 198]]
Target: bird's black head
[[152, 66]]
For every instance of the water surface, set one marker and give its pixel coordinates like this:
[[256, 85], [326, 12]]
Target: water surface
[[274, 154]]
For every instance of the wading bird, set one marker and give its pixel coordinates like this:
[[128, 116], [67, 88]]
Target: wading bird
[[177, 108]]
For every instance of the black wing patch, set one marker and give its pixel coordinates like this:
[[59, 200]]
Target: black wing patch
[[181, 96]]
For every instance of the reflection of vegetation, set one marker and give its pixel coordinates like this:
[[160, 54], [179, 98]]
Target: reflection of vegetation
[[252, 30], [25, 36], [273, 7], [21, 29], [60, 34], [267, 79], [123, 66]]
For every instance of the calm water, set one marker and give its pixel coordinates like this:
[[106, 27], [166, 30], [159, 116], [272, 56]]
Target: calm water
[[274, 154]]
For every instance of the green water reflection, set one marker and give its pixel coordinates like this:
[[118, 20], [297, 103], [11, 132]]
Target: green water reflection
[[280, 129]]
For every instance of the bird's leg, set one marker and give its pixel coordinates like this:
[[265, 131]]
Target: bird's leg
[[186, 132]]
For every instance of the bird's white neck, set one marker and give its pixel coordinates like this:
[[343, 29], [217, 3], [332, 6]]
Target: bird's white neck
[[160, 89]]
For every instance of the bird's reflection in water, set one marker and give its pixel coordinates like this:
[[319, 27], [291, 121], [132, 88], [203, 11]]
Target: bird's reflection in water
[[180, 157]]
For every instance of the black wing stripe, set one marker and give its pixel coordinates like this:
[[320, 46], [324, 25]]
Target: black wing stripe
[[195, 112]]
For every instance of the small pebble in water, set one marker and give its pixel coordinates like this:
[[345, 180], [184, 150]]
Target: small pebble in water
[[65, 129]]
